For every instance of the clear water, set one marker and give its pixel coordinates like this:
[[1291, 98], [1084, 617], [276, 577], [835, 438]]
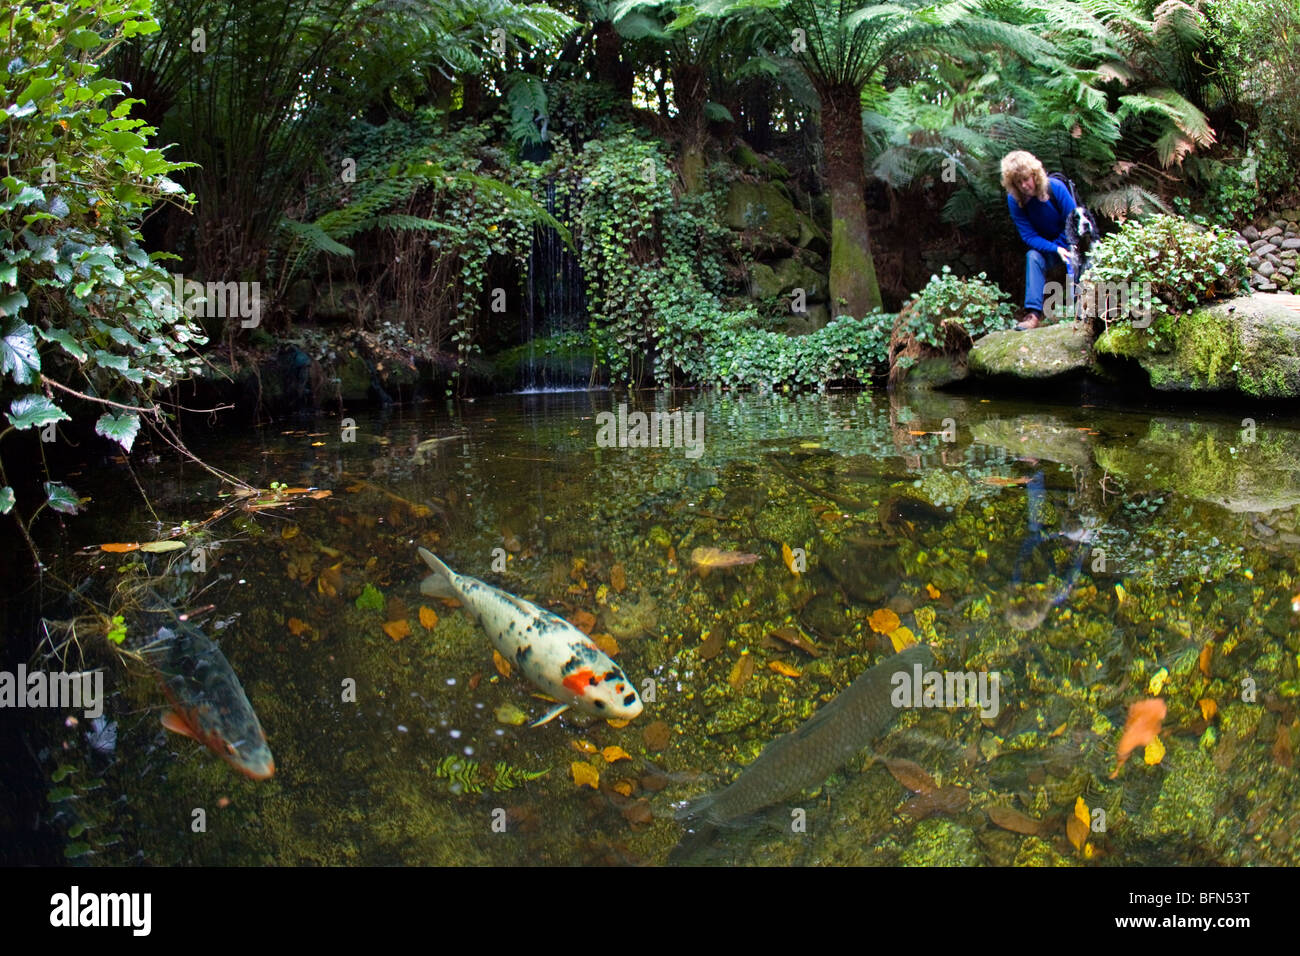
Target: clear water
[[918, 508]]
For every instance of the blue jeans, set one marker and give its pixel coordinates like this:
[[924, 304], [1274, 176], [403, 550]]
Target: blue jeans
[[1036, 270]]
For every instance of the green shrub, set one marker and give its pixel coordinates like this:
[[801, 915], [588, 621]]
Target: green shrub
[[951, 312], [1176, 262]]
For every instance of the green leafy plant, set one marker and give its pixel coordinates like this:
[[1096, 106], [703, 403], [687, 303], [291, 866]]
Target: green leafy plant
[[370, 599], [951, 312]]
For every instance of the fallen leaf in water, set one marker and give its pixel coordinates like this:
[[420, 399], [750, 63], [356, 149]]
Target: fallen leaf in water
[[794, 638], [613, 753], [783, 668], [161, 547], [741, 671], [397, 629], [1011, 819], [1154, 752], [717, 558], [915, 433], [623, 787], [1140, 728], [638, 813], [583, 621], [584, 774], [902, 638], [501, 664], [119, 548], [606, 643], [883, 621], [428, 619], [1283, 753], [289, 532], [1157, 682], [933, 591], [1002, 481], [1208, 707], [787, 555], [330, 580], [583, 746], [1077, 831], [475, 680], [510, 714], [616, 723], [1207, 654], [618, 578], [297, 627], [711, 646], [656, 736], [950, 799], [911, 775]]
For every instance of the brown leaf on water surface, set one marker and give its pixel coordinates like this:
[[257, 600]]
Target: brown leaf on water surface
[[428, 619], [791, 636], [911, 775], [618, 578], [1011, 819], [741, 671], [397, 629], [585, 775], [949, 799], [883, 621], [717, 558], [119, 548], [583, 621], [501, 664]]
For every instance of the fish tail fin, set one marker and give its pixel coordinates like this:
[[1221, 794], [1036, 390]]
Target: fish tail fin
[[438, 584]]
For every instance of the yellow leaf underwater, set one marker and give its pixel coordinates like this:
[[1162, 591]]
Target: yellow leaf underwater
[[161, 547], [585, 775], [510, 714], [1155, 752], [583, 746], [783, 668], [428, 619], [1157, 682], [902, 638], [397, 629], [606, 643], [297, 627], [501, 664], [741, 671], [787, 555], [614, 753], [883, 621], [717, 558], [1208, 707]]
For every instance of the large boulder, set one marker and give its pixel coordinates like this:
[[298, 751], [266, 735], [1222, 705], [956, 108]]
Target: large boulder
[[1249, 344], [1038, 354], [783, 277], [764, 210]]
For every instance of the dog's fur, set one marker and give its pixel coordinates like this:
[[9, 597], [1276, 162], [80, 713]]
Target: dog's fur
[[1081, 231]]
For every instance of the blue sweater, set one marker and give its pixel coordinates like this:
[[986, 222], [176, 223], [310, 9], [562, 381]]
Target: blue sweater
[[1042, 224]]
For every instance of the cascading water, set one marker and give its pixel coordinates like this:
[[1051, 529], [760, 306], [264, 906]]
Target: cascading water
[[556, 304]]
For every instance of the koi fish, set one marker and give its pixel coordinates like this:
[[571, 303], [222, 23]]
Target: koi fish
[[208, 702], [550, 651]]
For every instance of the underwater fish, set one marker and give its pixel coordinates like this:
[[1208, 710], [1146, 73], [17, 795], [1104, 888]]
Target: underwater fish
[[550, 651], [810, 753], [208, 702]]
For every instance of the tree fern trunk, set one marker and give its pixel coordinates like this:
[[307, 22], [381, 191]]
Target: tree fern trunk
[[854, 289]]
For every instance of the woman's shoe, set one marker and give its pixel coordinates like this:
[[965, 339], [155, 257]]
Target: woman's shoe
[[1032, 320]]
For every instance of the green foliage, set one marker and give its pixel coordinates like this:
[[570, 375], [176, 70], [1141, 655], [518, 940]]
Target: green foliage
[[463, 775], [1182, 263], [951, 312], [87, 301], [370, 599]]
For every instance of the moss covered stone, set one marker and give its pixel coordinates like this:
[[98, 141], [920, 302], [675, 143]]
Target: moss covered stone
[[764, 209], [1038, 354]]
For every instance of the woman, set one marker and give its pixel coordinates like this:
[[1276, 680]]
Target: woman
[[1040, 207]]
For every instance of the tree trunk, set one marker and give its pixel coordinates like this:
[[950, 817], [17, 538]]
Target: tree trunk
[[853, 287], [610, 67]]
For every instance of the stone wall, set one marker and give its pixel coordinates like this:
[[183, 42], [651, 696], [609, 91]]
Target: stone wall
[[1274, 248]]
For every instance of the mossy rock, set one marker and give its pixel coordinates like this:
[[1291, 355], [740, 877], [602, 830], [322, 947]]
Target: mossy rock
[[817, 316], [765, 210], [1039, 354], [936, 371], [783, 277], [747, 159], [354, 378]]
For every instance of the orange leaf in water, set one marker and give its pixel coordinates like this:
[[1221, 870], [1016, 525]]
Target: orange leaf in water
[[883, 621], [933, 591], [585, 775], [1141, 727], [119, 548], [428, 619], [1207, 653], [911, 775], [623, 787], [618, 724], [606, 643], [501, 664], [583, 746], [1076, 831], [1011, 819], [916, 433], [614, 753], [787, 555], [583, 621], [397, 629], [298, 628], [618, 578], [1208, 707], [783, 668], [717, 558]]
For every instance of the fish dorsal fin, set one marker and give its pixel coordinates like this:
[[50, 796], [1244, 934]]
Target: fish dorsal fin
[[177, 725]]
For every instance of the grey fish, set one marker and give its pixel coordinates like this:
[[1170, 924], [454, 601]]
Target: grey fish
[[809, 754]]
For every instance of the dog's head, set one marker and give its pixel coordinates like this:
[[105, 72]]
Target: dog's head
[[1081, 230]]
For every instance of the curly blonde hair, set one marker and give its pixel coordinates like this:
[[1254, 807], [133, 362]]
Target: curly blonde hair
[[1016, 166]]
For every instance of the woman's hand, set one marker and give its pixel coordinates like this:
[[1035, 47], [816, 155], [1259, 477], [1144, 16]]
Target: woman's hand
[[1064, 253]]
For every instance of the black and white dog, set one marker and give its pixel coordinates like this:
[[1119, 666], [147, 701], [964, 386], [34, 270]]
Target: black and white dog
[[1081, 231]]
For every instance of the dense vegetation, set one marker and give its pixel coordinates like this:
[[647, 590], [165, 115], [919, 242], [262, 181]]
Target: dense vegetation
[[672, 189]]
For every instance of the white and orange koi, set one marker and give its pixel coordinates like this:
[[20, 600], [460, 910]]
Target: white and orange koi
[[550, 651]]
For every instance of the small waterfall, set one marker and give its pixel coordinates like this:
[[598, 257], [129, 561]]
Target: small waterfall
[[556, 304]]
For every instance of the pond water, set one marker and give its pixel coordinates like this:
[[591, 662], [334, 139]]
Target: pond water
[[1088, 558]]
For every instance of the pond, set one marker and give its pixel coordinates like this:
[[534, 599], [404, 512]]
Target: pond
[[1073, 562]]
